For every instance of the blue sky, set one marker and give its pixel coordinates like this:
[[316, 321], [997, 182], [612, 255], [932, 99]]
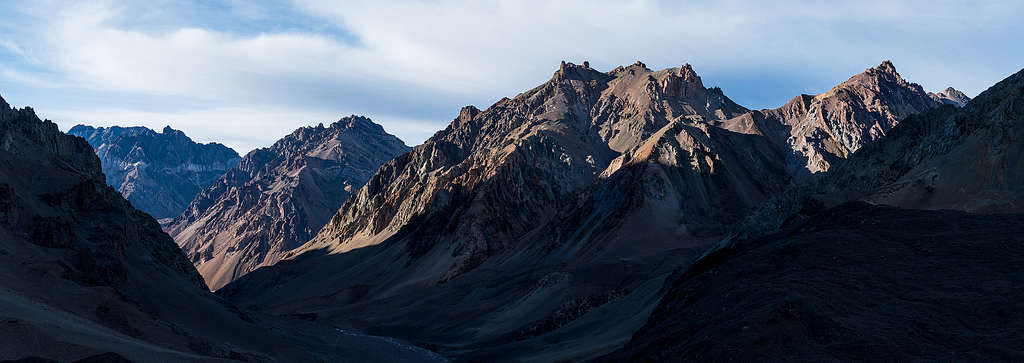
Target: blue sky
[[246, 74]]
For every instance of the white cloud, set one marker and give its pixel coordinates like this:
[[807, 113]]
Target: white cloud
[[415, 62], [503, 43]]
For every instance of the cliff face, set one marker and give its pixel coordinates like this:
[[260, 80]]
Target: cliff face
[[542, 204], [159, 173], [279, 197]]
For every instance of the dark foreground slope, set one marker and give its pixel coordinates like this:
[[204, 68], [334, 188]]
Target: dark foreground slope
[[862, 282], [857, 282], [82, 272]]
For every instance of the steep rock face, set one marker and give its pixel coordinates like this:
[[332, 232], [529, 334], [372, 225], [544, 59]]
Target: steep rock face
[[159, 173], [828, 127], [931, 284], [950, 96], [279, 197], [83, 273]]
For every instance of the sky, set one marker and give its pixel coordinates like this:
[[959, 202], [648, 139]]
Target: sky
[[247, 73]]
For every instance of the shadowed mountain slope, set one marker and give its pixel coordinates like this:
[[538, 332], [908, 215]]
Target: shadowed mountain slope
[[855, 282]]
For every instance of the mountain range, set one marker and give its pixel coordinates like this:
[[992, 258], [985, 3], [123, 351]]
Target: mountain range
[[501, 232], [627, 215]]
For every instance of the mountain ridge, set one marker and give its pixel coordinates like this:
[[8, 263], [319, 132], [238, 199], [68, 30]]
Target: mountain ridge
[[159, 172]]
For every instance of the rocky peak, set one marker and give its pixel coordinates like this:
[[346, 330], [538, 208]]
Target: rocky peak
[[950, 96], [570, 71], [466, 114], [688, 75], [884, 75], [887, 67], [169, 131], [356, 122]]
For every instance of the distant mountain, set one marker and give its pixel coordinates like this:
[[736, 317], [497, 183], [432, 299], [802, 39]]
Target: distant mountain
[[158, 172], [950, 96], [840, 279], [85, 274], [279, 197], [577, 196]]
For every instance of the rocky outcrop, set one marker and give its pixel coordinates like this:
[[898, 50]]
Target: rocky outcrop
[[556, 195], [84, 275], [279, 197], [823, 129], [950, 96], [158, 172]]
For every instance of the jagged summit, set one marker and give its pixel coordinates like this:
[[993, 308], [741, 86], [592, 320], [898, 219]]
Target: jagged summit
[[571, 71], [354, 121], [689, 75], [878, 76], [887, 67]]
